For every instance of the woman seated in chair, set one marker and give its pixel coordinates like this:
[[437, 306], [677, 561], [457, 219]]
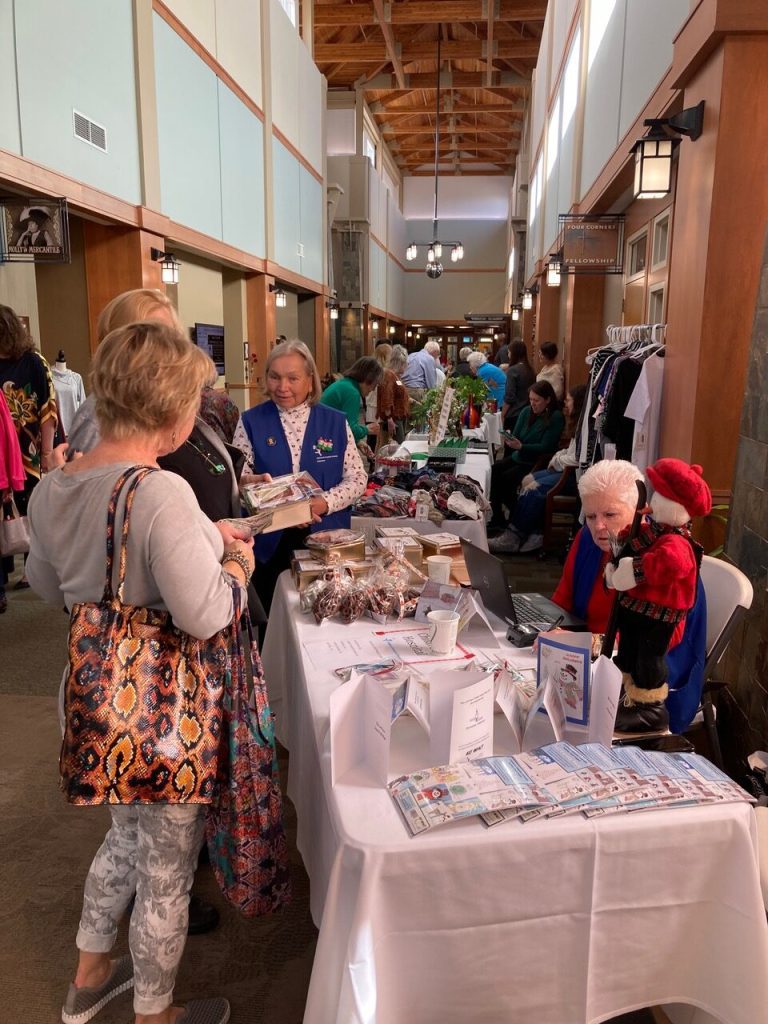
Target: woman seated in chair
[[525, 530], [536, 434], [608, 492]]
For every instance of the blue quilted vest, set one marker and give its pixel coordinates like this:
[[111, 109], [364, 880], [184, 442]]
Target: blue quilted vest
[[322, 455]]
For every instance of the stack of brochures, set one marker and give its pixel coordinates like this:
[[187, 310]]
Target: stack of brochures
[[559, 779]]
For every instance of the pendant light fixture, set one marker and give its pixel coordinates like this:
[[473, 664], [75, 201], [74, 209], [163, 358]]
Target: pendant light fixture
[[434, 268]]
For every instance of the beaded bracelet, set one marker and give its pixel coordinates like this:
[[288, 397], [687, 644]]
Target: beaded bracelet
[[241, 560]]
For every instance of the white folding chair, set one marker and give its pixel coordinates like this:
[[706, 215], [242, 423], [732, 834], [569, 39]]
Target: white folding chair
[[729, 598]]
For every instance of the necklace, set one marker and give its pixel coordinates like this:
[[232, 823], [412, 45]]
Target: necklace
[[213, 464]]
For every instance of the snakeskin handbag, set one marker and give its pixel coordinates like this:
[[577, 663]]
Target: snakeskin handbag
[[142, 699]]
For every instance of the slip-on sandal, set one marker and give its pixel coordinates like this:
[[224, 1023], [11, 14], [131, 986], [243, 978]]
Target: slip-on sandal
[[82, 1004], [205, 1011]]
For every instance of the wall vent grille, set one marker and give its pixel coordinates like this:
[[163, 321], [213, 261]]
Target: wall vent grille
[[89, 131]]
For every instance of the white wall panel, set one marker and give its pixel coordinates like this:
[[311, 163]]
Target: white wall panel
[[377, 208], [238, 43], [478, 197], [284, 73], [563, 15], [340, 131], [188, 133], [395, 288], [199, 16], [377, 275], [10, 138], [453, 295], [286, 171], [603, 93], [311, 225], [241, 138], [311, 107], [540, 84], [61, 68], [649, 34]]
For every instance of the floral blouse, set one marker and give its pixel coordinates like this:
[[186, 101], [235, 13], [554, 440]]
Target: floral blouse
[[28, 388]]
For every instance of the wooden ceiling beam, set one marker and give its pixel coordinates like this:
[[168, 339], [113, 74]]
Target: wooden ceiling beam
[[465, 174], [455, 49], [492, 6], [417, 12], [450, 80], [389, 131], [515, 110], [392, 46]]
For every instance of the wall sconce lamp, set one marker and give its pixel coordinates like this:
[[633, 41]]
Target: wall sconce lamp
[[554, 269], [391, 328], [169, 265], [515, 312], [281, 299], [653, 153], [409, 334], [527, 299], [333, 308], [375, 325]]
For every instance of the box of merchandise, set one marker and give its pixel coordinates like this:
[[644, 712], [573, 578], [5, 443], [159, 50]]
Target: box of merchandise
[[411, 548], [336, 545], [396, 531], [440, 544], [305, 569]]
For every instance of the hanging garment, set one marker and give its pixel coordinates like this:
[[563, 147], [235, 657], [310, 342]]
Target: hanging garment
[[644, 408], [70, 395]]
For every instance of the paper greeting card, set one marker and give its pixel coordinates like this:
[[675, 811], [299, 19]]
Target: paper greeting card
[[565, 658]]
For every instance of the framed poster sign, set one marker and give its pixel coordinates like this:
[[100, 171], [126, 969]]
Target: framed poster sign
[[34, 230]]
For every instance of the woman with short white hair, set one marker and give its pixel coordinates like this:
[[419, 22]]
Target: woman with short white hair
[[494, 378], [293, 431]]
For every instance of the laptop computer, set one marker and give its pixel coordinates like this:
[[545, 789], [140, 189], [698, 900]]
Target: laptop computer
[[488, 575]]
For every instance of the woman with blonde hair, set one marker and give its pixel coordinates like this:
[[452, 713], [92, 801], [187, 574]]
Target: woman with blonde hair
[[146, 383], [292, 431], [127, 308]]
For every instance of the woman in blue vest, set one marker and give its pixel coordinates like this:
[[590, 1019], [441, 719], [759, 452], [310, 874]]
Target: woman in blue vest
[[291, 432]]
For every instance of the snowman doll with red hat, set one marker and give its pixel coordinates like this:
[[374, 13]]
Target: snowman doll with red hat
[[655, 580]]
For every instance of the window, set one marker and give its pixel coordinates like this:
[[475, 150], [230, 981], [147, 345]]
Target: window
[[656, 304], [369, 146], [660, 241], [553, 136], [571, 84], [636, 254], [289, 6]]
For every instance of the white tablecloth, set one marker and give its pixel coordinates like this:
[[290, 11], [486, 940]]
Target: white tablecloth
[[477, 465], [566, 921]]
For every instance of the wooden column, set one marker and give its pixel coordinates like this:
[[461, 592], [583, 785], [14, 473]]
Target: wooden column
[[117, 259], [322, 336], [583, 323], [721, 209], [547, 314], [262, 329]]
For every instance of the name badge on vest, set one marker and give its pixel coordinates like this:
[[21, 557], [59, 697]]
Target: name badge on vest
[[271, 441]]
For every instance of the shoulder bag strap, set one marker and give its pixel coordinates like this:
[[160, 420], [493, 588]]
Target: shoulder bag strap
[[138, 473]]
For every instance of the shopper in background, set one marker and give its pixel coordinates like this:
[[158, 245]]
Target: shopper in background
[[490, 374], [283, 435], [526, 524], [519, 378], [348, 394], [27, 385], [536, 434], [551, 370], [502, 356], [393, 403], [421, 372], [146, 384], [461, 369], [381, 354], [12, 476]]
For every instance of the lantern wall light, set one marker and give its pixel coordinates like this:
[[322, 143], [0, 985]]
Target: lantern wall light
[[281, 299], [515, 312], [169, 266], [554, 269], [653, 153]]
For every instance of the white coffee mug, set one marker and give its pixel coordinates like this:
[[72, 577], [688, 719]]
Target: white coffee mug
[[439, 568], [444, 628]]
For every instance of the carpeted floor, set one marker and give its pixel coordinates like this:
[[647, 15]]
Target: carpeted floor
[[261, 966]]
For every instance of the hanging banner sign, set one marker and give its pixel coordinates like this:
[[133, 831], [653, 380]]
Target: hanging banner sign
[[34, 230], [591, 244], [486, 318]]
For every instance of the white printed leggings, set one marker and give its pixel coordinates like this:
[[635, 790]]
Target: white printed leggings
[[152, 850]]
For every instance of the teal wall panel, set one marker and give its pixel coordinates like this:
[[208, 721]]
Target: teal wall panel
[[10, 137], [188, 130], [62, 66], [286, 171], [242, 174], [311, 225]]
